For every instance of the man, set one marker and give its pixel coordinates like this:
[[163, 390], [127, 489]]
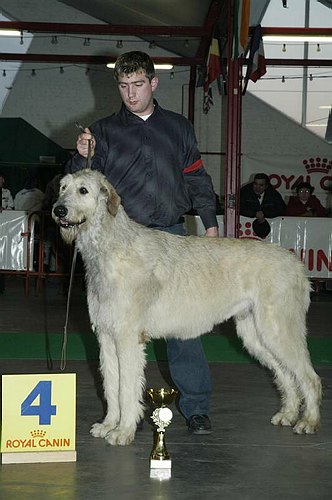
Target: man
[[6, 199], [150, 156], [6, 203], [30, 198], [261, 201]]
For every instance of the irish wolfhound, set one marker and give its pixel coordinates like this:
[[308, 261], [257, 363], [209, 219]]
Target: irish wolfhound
[[143, 283]]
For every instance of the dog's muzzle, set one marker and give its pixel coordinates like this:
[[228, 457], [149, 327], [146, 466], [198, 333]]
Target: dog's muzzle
[[60, 211]]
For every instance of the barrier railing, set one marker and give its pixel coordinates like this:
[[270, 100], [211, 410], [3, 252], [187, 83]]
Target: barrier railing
[[308, 237], [31, 246]]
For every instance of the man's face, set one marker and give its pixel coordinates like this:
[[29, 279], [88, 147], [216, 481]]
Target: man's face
[[259, 186], [137, 92]]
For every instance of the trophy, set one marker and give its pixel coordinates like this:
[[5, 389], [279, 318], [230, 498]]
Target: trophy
[[161, 416]]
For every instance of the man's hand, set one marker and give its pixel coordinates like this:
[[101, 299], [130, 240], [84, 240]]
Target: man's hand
[[82, 143], [260, 216], [212, 232]]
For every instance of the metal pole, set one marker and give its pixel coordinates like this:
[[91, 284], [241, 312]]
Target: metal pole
[[305, 69], [191, 97], [233, 130]]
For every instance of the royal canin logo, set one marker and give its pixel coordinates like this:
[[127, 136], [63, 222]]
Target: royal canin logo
[[322, 165]]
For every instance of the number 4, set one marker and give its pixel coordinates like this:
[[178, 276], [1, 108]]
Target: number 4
[[44, 409]]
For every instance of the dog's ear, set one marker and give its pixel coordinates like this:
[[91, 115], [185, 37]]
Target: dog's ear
[[113, 199]]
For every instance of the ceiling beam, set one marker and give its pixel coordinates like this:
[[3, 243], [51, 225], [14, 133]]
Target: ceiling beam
[[296, 31], [91, 59], [104, 29], [299, 62], [185, 31], [176, 61]]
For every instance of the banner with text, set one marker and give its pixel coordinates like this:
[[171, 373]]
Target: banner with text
[[285, 171]]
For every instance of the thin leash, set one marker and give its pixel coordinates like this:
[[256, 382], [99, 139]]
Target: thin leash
[[63, 361]]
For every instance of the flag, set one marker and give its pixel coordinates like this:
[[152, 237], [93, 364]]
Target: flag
[[256, 64], [213, 72], [213, 64], [257, 56], [240, 27]]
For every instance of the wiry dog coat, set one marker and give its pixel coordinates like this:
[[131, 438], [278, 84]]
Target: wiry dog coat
[[143, 282]]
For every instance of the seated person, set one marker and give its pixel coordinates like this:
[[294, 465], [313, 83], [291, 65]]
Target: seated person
[[260, 200], [305, 204], [30, 198], [6, 199], [6, 203]]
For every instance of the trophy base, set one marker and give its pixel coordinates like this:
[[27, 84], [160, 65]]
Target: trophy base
[[160, 473], [160, 464]]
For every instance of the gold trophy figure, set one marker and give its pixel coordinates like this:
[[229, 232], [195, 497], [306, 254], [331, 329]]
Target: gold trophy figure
[[160, 461]]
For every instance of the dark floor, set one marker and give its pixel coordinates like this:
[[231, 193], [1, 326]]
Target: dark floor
[[245, 457]]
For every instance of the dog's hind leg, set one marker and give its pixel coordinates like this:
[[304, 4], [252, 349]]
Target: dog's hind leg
[[283, 334], [290, 397], [131, 356], [110, 372]]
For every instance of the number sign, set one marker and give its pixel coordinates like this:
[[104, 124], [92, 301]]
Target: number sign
[[38, 413]]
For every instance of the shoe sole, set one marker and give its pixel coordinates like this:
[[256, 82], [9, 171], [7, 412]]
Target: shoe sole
[[200, 432]]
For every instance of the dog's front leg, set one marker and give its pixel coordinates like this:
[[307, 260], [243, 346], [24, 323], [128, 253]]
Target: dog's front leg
[[109, 368], [131, 357]]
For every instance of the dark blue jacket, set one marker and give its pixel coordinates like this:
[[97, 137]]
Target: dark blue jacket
[[154, 165], [272, 204]]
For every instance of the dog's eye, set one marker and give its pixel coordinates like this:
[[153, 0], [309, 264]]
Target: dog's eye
[[83, 190]]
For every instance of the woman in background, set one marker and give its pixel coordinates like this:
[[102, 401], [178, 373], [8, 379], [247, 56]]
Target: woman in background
[[305, 204]]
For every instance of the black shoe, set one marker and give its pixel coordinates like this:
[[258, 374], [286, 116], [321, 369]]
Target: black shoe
[[199, 424]]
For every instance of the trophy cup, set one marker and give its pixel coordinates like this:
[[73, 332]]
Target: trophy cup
[[160, 461]]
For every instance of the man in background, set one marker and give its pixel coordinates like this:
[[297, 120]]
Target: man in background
[[260, 201], [6, 203]]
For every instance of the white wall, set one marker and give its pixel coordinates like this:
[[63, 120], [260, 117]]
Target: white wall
[[268, 131]]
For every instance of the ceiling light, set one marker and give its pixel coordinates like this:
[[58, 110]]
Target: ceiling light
[[316, 124], [294, 38], [325, 107], [157, 66], [10, 33]]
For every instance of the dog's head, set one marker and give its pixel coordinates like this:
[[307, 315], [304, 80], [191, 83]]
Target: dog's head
[[83, 197]]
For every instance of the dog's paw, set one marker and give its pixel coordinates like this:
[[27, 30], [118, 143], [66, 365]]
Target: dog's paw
[[100, 430], [306, 426], [286, 419], [120, 437]]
